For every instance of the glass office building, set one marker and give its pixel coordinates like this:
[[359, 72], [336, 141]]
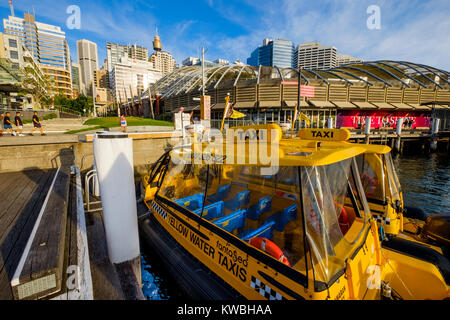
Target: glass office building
[[272, 53], [253, 60]]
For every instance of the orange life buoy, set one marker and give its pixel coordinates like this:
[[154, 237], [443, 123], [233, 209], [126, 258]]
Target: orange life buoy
[[269, 247]]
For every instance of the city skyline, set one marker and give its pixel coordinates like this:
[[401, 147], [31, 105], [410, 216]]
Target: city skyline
[[232, 30]]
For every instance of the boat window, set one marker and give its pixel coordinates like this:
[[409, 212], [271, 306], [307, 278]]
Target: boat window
[[372, 176], [394, 184], [335, 212], [249, 204], [185, 184], [259, 206]]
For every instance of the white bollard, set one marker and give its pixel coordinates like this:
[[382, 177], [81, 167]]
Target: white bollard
[[113, 154], [330, 123], [399, 126], [367, 127]]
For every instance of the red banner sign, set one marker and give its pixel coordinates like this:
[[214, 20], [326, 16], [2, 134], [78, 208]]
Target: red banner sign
[[383, 118]]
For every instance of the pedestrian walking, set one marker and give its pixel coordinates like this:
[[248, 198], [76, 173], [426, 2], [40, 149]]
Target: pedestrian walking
[[7, 124], [18, 123], [123, 124], [36, 125]]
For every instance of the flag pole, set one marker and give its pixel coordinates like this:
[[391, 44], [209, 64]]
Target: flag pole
[[225, 111], [293, 121], [299, 90]]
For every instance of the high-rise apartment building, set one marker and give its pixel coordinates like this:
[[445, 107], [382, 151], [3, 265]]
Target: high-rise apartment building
[[19, 60], [313, 55], [47, 43], [101, 79], [346, 58], [103, 92], [88, 60], [115, 52], [162, 60], [130, 77], [137, 52], [278, 52], [76, 80]]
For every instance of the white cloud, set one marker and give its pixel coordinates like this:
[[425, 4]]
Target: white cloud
[[413, 30], [410, 30]]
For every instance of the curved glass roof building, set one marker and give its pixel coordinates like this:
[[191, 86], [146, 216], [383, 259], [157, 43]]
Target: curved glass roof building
[[269, 94], [376, 82]]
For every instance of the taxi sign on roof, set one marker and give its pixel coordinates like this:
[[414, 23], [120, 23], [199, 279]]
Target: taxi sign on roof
[[325, 134]]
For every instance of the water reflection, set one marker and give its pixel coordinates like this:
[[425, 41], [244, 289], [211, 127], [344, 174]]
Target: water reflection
[[425, 181]]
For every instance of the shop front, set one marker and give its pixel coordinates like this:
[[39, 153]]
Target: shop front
[[383, 118]]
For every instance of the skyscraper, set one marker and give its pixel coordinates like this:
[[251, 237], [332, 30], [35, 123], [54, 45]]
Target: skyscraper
[[76, 80], [130, 77], [48, 45], [278, 52], [253, 60], [88, 60], [115, 52], [162, 60], [313, 55]]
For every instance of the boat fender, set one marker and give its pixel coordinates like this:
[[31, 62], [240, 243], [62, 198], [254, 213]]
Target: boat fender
[[269, 247], [414, 213]]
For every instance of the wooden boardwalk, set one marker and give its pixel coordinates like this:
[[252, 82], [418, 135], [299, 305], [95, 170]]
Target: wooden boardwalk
[[22, 195]]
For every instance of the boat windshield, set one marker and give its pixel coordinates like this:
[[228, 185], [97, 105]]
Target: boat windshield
[[394, 183], [336, 213], [323, 206], [371, 171]]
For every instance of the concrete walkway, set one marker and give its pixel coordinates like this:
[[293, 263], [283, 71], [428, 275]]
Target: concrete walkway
[[54, 126]]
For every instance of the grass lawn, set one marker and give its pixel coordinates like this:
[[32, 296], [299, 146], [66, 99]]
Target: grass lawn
[[111, 122]]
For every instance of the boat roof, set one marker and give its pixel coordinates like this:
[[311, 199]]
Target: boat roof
[[302, 151]]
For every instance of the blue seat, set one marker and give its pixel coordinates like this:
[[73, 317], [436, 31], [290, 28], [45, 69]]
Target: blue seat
[[192, 202], [264, 204], [287, 215], [211, 211], [282, 218], [265, 231], [238, 201], [232, 221], [221, 193]]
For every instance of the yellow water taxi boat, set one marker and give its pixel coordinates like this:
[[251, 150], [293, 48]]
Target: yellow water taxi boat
[[293, 226]]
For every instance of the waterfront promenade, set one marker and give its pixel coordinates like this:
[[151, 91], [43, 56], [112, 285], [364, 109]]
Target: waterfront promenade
[[46, 236]]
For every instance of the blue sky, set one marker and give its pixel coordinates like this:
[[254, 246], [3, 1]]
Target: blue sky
[[412, 30]]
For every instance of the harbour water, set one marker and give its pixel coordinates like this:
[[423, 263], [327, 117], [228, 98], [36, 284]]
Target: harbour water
[[425, 181]]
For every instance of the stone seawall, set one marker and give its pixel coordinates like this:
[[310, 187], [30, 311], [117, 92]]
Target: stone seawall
[[52, 155]]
